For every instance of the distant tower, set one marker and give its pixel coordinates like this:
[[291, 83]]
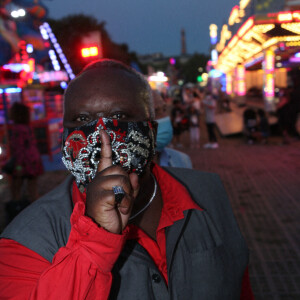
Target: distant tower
[[183, 43]]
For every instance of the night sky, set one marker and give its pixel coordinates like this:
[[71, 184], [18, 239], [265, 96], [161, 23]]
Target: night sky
[[152, 26]]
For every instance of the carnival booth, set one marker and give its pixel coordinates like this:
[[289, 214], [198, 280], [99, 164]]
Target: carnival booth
[[258, 48], [33, 70]]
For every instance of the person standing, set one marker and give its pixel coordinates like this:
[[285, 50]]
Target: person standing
[[194, 126], [165, 156], [177, 115], [26, 160], [210, 104]]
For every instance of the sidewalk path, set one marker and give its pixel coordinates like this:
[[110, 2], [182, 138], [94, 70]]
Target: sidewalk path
[[263, 184]]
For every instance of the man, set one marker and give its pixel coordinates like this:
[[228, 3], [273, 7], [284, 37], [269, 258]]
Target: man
[[122, 227], [165, 156]]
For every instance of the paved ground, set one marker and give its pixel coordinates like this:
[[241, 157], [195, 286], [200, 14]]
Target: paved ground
[[263, 184]]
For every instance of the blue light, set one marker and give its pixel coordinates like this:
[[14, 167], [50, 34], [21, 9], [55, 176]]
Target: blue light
[[29, 48], [63, 85], [213, 40], [11, 90], [215, 73], [297, 54], [16, 68]]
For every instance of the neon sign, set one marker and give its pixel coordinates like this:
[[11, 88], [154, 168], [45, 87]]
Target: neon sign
[[234, 15]]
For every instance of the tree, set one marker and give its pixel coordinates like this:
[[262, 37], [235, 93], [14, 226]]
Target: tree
[[69, 32], [189, 71]]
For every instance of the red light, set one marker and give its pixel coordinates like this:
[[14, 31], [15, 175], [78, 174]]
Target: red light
[[90, 51]]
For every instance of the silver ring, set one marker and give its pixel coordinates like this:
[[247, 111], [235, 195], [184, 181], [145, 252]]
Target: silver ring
[[119, 193]]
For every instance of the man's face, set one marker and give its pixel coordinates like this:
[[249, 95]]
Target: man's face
[[109, 93], [110, 100]]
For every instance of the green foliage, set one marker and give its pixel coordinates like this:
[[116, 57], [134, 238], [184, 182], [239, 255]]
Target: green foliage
[[69, 32], [189, 71]]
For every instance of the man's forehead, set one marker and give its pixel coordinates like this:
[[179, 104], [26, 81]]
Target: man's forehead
[[105, 78]]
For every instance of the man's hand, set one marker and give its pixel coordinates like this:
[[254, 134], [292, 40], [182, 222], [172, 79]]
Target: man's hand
[[100, 201]]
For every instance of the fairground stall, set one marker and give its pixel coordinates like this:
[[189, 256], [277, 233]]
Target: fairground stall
[[33, 70], [258, 48]]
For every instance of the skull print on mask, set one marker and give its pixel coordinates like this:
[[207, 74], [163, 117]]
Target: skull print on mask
[[132, 143]]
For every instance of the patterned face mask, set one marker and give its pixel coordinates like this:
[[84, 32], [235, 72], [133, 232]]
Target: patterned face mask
[[132, 143]]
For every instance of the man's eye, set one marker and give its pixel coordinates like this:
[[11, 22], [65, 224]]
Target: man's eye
[[118, 116], [82, 118]]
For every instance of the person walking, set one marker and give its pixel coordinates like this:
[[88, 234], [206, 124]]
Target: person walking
[[194, 126], [210, 104]]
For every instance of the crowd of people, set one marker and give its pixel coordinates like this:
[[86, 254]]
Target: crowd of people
[[190, 108]]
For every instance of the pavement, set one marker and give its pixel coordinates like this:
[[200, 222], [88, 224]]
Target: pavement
[[263, 185]]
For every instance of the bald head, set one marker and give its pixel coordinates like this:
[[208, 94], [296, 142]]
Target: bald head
[[115, 78]]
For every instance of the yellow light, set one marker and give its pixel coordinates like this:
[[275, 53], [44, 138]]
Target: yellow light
[[233, 41], [288, 38], [234, 16], [205, 76], [240, 72], [245, 27], [270, 42], [269, 61], [284, 17], [296, 15], [213, 28], [293, 27], [269, 88], [244, 4], [293, 44], [85, 52], [93, 51], [263, 28], [225, 36], [229, 84]]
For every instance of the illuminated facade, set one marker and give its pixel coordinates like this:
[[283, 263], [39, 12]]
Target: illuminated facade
[[261, 42]]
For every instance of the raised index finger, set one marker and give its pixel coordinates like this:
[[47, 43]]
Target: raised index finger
[[106, 152]]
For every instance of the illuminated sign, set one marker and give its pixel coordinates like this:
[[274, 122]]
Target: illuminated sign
[[234, 15], [16, 68], [89, 52], [12, 90], [246, 26], [244, 3], [283, 17], [225, 36], [53, 76]]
